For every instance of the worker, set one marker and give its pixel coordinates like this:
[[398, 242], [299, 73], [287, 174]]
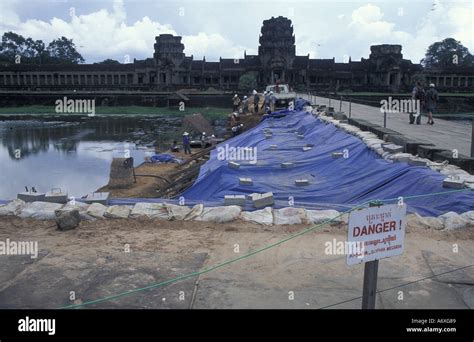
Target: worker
[[236, 102], [203, 140], [212, 140], [186, 143], [174, 147], [234, 130], [266, 101], [272, 101], [256, 100], [233, 119], [245, 105]]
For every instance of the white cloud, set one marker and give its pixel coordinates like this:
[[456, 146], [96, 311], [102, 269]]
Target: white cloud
[[105, 34], [446, 20], [110, 33], [202, 44]]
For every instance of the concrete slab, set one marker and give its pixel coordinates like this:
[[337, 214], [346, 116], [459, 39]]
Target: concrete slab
[[234, 200]]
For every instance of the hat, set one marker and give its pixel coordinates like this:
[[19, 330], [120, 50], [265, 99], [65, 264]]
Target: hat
[[213, 136], [241, 125], [185, 133], [432, 85], [203, 133], [235, 95], [254, 92], [271, 92], [245, 97]]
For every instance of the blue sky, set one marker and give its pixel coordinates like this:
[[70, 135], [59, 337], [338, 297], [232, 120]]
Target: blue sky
[[122, 29]]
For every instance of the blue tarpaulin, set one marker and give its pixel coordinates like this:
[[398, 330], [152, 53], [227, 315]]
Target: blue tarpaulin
[[340, 183], [333, 183], [164, 158]]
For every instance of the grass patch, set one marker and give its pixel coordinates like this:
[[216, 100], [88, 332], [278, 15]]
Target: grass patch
[[211, 113]]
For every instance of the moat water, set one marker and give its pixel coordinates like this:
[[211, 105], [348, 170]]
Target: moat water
[[74, 153]]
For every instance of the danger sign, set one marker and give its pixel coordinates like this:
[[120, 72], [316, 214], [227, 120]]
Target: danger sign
[[376, 233]]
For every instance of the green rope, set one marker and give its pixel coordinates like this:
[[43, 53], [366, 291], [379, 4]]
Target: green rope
[[231, 261], [212, 268]]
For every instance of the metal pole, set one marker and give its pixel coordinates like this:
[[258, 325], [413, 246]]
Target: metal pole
[[371, 270], [350, 106], [329, 102], [384, 119], [472, 139], [340, 104]]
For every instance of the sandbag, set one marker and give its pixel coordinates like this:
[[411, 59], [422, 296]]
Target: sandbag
[[469, 216], [12, 208], [417, 221], [96, 210], [453, 221], [195, 212], [262, 216], [76, 205], [322, 216], [289, 215], [177, 212], [150, 210], [40, 210], [118, 211], [220, 214]]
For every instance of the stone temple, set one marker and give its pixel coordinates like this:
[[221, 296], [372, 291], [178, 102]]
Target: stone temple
[[170, 69]]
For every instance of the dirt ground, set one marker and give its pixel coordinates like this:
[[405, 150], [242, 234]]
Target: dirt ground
[[106, 257], [146, 187]]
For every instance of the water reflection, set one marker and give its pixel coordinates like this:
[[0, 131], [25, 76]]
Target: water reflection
[[74, 153]]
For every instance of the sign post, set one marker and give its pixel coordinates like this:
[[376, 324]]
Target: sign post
[[375, 233]]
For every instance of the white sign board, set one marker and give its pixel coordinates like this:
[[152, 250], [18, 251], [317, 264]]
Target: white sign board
[[376, 233]]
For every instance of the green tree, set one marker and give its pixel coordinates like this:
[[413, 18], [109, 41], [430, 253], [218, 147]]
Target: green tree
[[248, 81], [63, 51], [109, 61], [448, 52], [32, 51]]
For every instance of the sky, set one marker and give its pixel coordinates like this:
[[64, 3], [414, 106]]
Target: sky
[[126, 29]]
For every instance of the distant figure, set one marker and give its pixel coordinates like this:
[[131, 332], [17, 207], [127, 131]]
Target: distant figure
[[174, 147], [212, 140], [418, 94], [245, 104], [431, 98], [267, 100], [186, 143], [203, 140], [272, 101], [256, 100], [236, 102], [234, 130]]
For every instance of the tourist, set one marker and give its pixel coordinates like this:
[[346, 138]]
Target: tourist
[[418, 95], [186, 143], [431, 98], [256, 100], [236, 102]]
